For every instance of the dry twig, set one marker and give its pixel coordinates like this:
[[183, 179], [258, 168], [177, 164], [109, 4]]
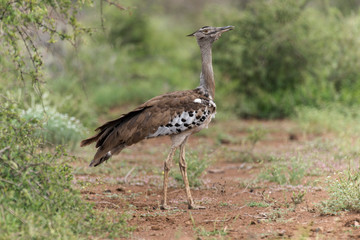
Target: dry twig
[[115, 4], [128, 174]]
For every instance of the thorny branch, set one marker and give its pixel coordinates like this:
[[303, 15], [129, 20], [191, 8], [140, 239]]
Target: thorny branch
[[115, 4], [22, 19], [13, 213]]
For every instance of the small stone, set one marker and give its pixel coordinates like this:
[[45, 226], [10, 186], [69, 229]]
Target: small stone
[[293, 137], [356, 224], [216, 171], [281, 233], [225, 141], [155, 228], [318, 229]]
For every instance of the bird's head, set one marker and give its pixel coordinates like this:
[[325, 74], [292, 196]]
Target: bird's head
[[210, 34]]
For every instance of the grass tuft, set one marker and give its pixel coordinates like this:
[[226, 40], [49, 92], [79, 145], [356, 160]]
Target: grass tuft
[[344, 194], [285, 173]]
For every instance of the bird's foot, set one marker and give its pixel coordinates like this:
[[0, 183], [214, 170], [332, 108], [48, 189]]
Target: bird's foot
[[196, 207], [167, 207]]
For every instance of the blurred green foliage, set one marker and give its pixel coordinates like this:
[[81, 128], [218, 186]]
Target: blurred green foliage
[[281, 55], [335, 118], [289, 53], [24, 23]]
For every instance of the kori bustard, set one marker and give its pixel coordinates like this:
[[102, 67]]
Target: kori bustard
[[177, 114]]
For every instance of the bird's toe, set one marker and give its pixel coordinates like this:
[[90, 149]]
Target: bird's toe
[[167, 207], [196, 207]]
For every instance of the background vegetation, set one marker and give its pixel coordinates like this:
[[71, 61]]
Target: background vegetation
[[282, 55], [284, 59]]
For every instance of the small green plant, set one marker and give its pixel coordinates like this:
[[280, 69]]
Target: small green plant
[[201, 231], [258, 204], [224, 204], [276, 215], [223, 138], [298, 197], [195, 168], [344, 194], [283, 173], [255, 135], [249, 183], [247, 156]]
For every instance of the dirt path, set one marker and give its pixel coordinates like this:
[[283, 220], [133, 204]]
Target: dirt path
[[240, 204]]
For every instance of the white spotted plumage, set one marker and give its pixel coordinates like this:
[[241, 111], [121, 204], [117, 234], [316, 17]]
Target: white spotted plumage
[[185, 121]]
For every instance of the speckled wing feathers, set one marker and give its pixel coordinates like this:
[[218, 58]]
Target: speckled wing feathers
[[166, 114]]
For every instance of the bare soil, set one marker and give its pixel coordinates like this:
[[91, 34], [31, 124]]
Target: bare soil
[[239, 204]]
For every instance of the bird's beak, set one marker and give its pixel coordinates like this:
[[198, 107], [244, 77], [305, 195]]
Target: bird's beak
[[191, 35], [218, 30], [221, 30], [224, 29]]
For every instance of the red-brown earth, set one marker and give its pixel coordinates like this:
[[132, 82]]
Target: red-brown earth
[[241, 199]]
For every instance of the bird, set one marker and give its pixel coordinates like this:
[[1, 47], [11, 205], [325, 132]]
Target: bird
[[176, 114]]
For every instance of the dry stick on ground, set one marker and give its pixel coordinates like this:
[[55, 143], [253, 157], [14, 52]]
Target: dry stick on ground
[[217, 220], [110, 203], [128, 174]]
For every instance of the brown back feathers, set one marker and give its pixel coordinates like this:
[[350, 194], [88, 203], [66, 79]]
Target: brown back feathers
[[146, 120]]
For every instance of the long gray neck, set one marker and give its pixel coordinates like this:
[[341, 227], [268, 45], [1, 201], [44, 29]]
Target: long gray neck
[[207, 81]]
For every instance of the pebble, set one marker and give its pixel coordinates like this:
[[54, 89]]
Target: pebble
[[155, 228]]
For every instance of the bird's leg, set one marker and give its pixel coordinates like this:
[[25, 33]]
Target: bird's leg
[[167, 166], [183, 170]]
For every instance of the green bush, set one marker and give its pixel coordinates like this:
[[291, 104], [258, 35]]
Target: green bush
[[37, 198], [58, 128], [287, 53], [128, 30]]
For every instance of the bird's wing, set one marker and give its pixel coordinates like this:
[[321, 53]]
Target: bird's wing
[[167, 114]]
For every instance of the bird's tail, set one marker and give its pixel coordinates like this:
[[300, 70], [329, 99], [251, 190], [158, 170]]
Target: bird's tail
[[108, 140], [97, 161], [100, 157], [90, 140]]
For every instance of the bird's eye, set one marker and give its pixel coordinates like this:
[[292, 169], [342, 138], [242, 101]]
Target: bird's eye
[[205, 31]]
